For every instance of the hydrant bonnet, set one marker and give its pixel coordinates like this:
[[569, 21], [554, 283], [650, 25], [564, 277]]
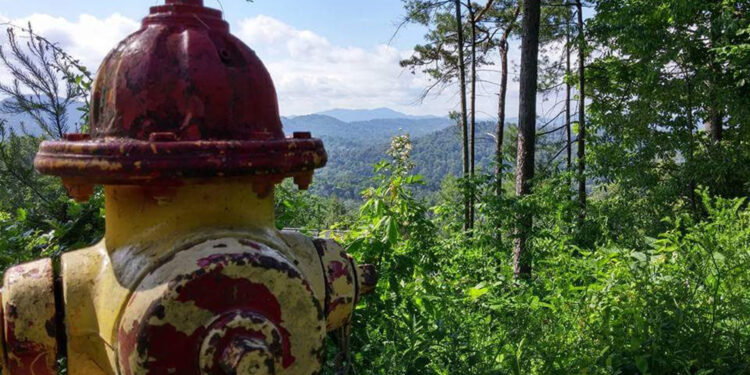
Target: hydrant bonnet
[[181, 98]]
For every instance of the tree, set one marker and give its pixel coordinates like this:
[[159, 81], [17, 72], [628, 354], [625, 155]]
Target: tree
[[46, 85], [468, 219], [581, 115], [46, 82], [473, 120], [568, 114], [443, 58], [502, 16], [502, 22], [526, 130], [653, 82]]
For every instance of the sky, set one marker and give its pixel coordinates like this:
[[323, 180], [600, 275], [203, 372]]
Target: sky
[[322, 54]]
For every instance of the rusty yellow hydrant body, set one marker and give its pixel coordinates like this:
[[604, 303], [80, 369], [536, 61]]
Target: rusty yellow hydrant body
[[192, 276]]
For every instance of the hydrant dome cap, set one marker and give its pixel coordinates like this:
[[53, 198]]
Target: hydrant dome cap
[[181, 97]]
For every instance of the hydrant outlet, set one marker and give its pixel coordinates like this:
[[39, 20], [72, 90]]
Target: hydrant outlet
[[248, 356], [217, 295], [242, 344]]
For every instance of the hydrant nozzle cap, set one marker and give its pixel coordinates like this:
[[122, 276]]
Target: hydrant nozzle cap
[[181, 98]]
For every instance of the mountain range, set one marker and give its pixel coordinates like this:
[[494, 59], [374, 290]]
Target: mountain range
[[323, 126], [357, 139], [353, 147], [354, 115], [379, 123], [23, 123]]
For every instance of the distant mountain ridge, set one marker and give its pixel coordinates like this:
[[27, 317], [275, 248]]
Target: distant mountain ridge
[[24, 124], [353, 146], [357, 124], [323, 126], [355, 115]]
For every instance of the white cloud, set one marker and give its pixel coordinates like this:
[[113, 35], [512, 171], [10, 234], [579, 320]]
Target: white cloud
[[311, 73], [88, 38]]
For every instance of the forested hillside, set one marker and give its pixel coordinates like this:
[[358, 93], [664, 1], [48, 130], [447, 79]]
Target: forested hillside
[[436, 154], [354, 149]]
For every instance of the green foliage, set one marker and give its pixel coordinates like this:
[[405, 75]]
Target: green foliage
[[607, 299], [36, 216], [674, 303], [390, 214], [27, 235], [305, 211], [391, 230], [661, 70]]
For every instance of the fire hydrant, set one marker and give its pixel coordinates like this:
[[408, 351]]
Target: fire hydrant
[[192, 276]]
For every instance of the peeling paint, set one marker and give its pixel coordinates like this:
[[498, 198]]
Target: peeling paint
[[29, 319]]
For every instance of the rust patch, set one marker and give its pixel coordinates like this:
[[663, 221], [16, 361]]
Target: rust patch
[[252, 316], [345, 282], [30, 319], [368, 278]]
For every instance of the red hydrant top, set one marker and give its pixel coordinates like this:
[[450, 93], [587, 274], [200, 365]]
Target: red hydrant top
[[179, 98]]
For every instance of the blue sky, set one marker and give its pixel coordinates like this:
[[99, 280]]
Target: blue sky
[[322, 54], [345, 22]]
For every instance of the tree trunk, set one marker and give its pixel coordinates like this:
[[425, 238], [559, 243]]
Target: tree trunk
[[501, 117], [464, 117], [581, 116], [501, 101], [473, 121], [568, 114], [526, 130], [690, 154], [714, 125]]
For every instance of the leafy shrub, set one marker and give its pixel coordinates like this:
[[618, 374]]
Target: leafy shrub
[[675, 303], [25, 237]]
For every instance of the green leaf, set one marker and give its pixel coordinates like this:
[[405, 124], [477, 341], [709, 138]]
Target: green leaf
[[642, 363], [641, 257], [22, 214], [477, 291], [393, 234]]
